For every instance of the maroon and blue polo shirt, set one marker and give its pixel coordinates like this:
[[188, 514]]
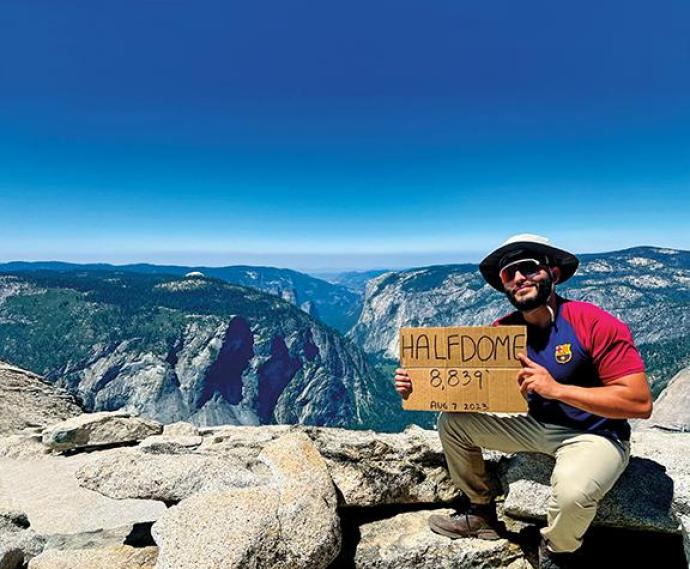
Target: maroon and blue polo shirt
[[584, 346]]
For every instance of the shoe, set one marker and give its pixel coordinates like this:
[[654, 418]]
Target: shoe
[[478, 520], [551, 560]]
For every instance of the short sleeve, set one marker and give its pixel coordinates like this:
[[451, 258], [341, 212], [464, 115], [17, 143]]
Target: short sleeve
[[614, 353]]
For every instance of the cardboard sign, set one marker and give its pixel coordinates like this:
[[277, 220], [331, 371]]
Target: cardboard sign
[[463, 369]]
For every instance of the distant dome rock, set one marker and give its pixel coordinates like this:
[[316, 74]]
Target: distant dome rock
[[194, 275]]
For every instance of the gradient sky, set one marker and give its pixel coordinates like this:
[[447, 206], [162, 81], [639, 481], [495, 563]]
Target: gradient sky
[[337, 135]]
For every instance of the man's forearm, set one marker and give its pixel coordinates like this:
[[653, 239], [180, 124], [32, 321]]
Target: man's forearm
[[608, 401]]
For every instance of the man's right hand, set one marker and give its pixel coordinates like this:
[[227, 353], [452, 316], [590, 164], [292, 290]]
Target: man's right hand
[[403, 383]]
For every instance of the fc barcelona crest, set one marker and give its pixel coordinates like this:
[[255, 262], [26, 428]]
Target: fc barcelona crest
[[563, 353]]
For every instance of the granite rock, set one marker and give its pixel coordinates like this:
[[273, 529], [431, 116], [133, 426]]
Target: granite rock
[[405, 541], [170, 478], [221, 530], [99, 429], [307, 511], [27, 401]]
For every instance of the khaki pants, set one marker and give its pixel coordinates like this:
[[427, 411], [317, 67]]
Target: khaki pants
[[587, 465]]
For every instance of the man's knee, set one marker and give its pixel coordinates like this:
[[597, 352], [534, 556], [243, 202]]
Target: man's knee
[[576, 495]]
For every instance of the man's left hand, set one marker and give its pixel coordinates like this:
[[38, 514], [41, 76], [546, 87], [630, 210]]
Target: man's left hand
[[534, 378]]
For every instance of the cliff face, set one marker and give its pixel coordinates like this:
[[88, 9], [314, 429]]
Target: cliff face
[[195, 348], [647, 288], [430, 296]]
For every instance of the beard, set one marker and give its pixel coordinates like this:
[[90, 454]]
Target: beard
[[544, 288]]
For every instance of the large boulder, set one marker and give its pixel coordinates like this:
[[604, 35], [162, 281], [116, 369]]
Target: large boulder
[[671, 451], [172, 466], [307, 510], [26, 401], [220, 530], [404, 541], [290, 524], [120, 557], [99, 429], [367, 467]]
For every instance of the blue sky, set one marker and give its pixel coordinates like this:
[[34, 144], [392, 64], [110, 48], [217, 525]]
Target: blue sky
[[339, 135]]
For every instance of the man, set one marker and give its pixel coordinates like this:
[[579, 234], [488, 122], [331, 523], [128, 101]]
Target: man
[[582, 377]]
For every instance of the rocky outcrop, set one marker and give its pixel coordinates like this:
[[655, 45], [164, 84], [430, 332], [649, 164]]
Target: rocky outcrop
[[370, 470], [633, 503], [98, 429], [291, 497], [367, 468], [27, 401], [119, 557], [650, 495], [670, 451]]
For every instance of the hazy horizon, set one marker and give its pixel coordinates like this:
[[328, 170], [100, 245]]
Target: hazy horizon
[[358, 263]]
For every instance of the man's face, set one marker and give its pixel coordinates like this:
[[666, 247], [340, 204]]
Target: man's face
[[530, 290]]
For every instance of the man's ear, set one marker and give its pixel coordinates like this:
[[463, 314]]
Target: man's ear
[[556, 274]]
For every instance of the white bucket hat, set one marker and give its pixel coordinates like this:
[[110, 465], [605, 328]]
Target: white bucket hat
[[526, 244]]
